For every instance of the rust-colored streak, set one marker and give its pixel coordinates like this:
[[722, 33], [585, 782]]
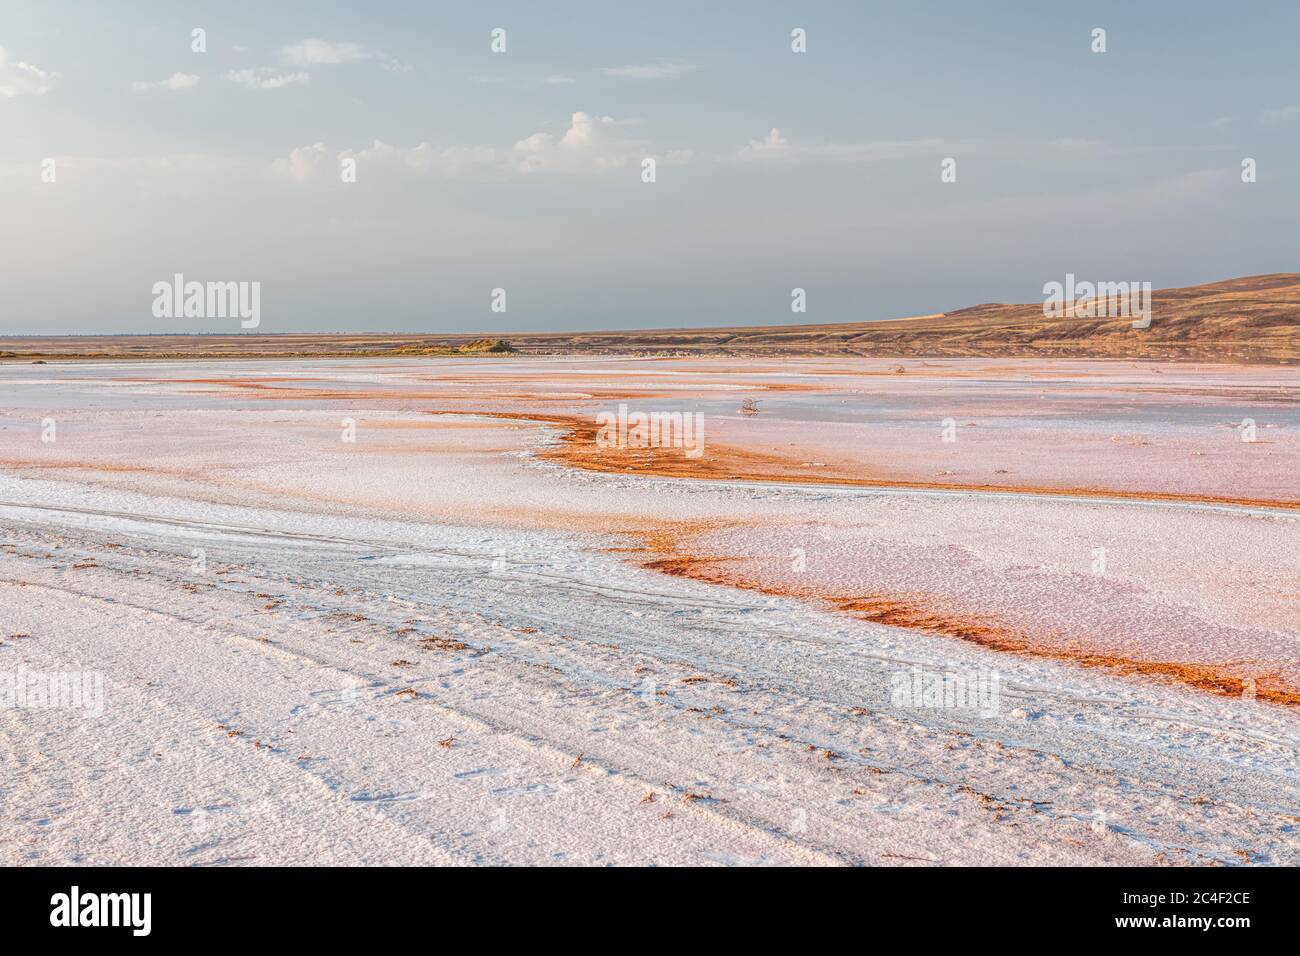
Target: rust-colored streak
[[718, 462], [721, 462], [665, 550], [1215, 679], [107, 467]]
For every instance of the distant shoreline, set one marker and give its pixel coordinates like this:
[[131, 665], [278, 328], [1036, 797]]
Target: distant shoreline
[[1250, 320]]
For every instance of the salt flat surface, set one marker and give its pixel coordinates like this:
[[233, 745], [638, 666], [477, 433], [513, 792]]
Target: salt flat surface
[[429, 646]]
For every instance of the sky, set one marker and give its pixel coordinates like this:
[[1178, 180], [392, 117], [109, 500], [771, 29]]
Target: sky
[[524, 170]]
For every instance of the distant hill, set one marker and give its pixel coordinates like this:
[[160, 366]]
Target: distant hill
[[1256, 318]]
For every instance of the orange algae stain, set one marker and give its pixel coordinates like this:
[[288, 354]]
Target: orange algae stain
[[909, 612], [721, 462], [665, 549], [661, 548]]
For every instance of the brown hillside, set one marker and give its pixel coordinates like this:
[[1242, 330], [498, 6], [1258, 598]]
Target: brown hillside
[[1256, 318]]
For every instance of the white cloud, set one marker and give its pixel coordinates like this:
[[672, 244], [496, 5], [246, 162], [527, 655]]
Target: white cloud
[[590, 144], [302, 163], [424, 158], [176, 83], [771, 146], [317, 52], [265, 78], [307, 163], [24, 79], [658, 69], [558, 80], [583, 129], [314, 51]]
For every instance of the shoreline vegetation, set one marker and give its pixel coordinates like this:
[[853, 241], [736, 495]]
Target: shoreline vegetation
[[1250, 320]]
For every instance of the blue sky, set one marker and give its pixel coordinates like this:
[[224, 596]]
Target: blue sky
[[522, 170]]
